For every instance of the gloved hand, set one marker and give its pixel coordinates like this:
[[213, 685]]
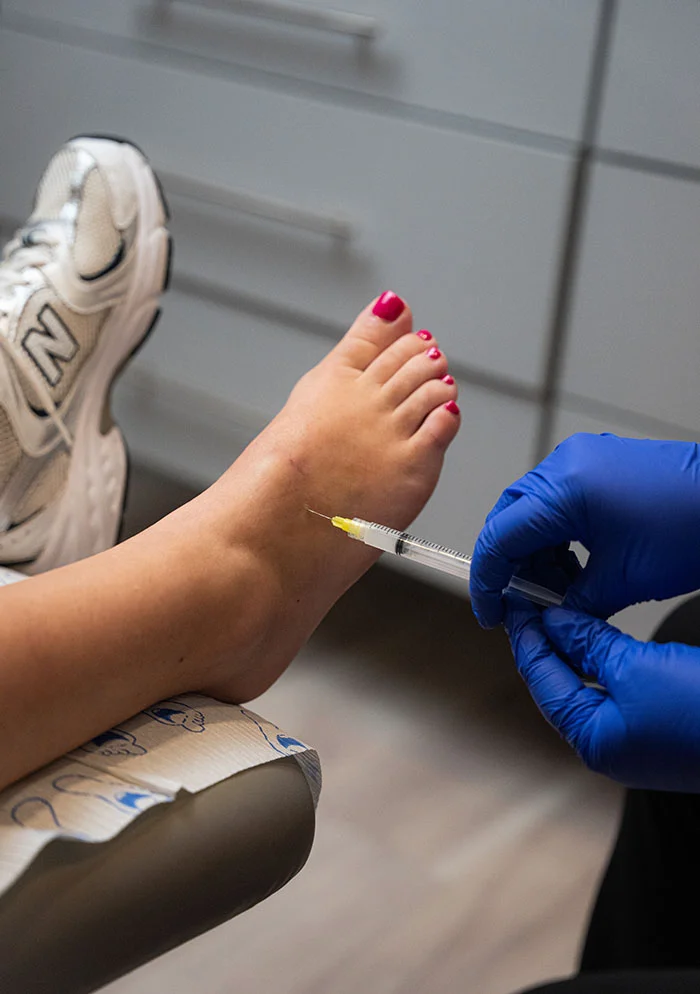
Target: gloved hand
[[643, 729], [634, 504]]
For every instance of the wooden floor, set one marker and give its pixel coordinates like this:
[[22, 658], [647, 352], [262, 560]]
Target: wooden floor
[[458, 841]]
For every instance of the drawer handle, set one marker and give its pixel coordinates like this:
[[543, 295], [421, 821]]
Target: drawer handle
[[343, 22], [248, 203]]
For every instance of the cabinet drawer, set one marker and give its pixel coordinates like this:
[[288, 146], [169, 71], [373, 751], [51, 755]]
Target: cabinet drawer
[[634, 341], [467, 229], [228, 357], [519, 64], [211, 377], [640, 620], [653, 85]]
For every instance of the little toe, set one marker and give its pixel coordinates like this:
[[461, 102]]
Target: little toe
[[376, 328], [428, 364]]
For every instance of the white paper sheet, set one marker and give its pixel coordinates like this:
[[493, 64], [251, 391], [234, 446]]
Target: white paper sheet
[[186, 743]]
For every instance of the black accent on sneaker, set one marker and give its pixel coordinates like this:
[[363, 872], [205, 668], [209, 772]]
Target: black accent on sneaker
[[168, 264], [23, 521], [111, 265]]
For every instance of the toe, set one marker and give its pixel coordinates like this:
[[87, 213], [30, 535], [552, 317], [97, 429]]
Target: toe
[[426, 398], [396, 355], [426, 364], [439, 427], [376, 328]]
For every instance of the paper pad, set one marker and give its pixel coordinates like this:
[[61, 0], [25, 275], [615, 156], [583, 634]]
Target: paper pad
[[187, 743]]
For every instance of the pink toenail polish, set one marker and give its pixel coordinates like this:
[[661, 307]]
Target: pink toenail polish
[[449, 380], [451, 407], [424, 334], [433, 353], [389, 306]]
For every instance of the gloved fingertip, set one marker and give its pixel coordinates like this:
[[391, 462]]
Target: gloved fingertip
[[561, 612], [518, 614], [486, 606], [560, 618], [574, 600], [488, 619]]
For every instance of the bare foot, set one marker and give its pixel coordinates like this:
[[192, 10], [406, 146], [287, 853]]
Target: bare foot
[[363, 434]]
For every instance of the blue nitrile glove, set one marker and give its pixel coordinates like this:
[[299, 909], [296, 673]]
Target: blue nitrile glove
[[634, 504], [643, 729]]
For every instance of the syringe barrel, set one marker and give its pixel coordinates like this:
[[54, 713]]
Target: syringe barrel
[[439, 557], [436, 556], [416, 550], [534, 592]]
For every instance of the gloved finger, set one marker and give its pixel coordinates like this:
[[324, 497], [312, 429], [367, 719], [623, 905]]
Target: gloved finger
[[592, 645], [519, 530], [562, 697], [597, 590], [554, 568], [508, 497]]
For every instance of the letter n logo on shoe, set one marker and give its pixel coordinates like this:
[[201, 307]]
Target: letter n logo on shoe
[[50, 344]]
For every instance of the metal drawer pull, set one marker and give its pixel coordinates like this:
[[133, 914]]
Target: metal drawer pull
[[343, 22], [248, 203]]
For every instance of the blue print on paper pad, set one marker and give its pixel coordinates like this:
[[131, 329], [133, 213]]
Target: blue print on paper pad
[[36, 813], [115, 742], [281, 743], [121, 796], [179, 714], [290, 744]]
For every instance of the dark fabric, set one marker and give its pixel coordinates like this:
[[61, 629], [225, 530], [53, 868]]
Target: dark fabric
[[644, 932], [631, 982], [644, 914]]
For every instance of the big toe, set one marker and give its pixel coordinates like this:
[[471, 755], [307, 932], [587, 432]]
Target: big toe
[[375, 329]]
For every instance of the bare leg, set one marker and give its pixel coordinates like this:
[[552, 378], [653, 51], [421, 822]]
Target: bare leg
[[221, 594]]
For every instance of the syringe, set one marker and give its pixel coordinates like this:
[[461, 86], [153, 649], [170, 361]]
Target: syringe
[[426, 553]]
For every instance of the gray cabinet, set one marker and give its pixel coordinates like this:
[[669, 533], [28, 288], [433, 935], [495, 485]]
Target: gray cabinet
[[651, 97], [524, 65], [634, 340], [316, 153]]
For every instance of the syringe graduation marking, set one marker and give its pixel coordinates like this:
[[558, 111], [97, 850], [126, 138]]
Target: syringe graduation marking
[[405, 543], [404, 538]]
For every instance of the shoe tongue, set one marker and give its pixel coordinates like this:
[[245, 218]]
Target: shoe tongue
[[55, 186]]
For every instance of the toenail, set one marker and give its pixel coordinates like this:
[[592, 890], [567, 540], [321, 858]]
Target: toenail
[[389, 306], [449, 380], [424, 334], [451, 407], [433, 353]]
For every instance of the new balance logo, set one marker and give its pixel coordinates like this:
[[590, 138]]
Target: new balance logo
[[50, 345]]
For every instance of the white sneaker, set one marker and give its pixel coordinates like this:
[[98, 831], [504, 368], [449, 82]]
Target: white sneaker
[[79, 291]]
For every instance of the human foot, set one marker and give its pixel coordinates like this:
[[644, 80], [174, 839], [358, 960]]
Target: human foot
[[363, 434]]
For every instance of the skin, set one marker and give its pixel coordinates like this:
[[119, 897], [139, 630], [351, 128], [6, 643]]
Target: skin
[[220, 595]]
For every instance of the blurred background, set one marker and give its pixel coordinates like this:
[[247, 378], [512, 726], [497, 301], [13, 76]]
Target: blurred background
[[526, 175]]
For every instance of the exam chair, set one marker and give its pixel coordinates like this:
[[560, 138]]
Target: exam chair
[[85, 914]]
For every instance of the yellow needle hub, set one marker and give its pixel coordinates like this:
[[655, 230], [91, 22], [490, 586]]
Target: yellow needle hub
[[346, 525]]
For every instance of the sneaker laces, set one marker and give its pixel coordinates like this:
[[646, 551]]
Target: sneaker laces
[[23, 258]]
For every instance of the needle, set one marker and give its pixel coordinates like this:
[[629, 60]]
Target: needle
[[317, 513]]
